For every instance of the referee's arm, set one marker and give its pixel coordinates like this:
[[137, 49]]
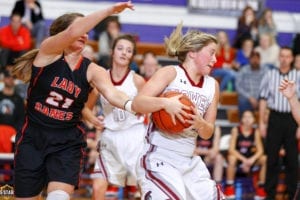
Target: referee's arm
[[263, 117]]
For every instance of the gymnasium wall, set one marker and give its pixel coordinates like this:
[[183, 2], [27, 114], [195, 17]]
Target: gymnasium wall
[[152, 20]]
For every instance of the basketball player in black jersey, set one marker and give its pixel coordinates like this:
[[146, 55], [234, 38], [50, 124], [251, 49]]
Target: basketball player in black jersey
[[245, 150], [49, 147]]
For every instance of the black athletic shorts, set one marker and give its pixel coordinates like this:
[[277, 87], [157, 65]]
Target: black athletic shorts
[[43, 155]]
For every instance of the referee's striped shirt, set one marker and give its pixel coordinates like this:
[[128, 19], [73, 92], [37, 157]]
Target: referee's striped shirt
[[269, 89]]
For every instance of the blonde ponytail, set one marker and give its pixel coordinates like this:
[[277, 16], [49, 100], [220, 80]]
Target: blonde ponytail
[[193, 40], [23, 65]]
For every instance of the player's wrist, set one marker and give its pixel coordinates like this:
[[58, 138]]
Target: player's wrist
[[128, 106]]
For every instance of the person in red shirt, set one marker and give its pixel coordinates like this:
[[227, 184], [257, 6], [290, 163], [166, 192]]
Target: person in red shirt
[[224, 67], [15, 39]]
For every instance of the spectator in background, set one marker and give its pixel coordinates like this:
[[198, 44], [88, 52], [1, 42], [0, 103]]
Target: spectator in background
[[297, 62], [266, 24], [243, 54], [296, 44], [106, 39], [11, 117], [225, 55], [89, 53], [279, 130], [247, 84], [247, 27], [149, 65], [268, 50], [245, 151], [99, 28], [32, 17], [15, 40], [11, 104], [210, 153]]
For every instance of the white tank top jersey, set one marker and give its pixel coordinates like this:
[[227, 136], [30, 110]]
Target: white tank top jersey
[[202, 95], [115, 118]]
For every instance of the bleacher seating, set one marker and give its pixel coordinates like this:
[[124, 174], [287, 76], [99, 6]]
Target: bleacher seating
[[227, 116]]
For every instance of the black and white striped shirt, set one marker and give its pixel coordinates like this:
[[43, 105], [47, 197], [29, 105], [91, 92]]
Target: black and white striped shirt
[[270, 92]]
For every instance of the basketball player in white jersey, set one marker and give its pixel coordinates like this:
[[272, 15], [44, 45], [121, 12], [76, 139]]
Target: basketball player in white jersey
[[168, 169], [123, 137]]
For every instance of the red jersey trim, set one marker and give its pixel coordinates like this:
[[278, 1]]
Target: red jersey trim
[[200, 84], [121, 81], [241, 130], [77, 66]]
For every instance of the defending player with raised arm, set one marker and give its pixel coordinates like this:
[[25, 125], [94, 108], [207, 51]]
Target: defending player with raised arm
[[60, 79]]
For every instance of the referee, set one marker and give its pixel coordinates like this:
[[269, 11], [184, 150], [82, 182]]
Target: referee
[[279, 130]]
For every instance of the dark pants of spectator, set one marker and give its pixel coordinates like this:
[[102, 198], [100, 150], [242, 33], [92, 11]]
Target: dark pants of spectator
[[243, 105], [281, 133], [8, 56], [226, 76], [39, 32]]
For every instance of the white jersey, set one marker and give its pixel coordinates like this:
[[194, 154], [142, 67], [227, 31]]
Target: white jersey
[[122, 140], [115, 118], [201, 95]]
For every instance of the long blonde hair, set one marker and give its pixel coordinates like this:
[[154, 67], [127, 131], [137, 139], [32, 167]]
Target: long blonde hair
[[179, 45], [23, 65], [22, 68]]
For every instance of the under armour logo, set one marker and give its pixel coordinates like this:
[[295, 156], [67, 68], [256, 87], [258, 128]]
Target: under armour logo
[[148, 196], [159, 163], [183, 81]]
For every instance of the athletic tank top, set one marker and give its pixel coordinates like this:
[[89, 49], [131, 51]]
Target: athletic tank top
[[246, 144], [204, 144], [202, 95], [56, 94], [118, 119]]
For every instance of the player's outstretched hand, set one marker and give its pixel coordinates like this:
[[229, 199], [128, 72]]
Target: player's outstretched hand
[[119, 7]]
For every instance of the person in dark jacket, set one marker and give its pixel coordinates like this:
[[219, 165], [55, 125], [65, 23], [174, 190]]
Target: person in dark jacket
[[32, 17]]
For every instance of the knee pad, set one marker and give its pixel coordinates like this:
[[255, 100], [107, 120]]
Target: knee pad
[[58, 195]]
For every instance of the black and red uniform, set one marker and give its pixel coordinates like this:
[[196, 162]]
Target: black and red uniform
[[50, 145], [204, 143], [245, 145]]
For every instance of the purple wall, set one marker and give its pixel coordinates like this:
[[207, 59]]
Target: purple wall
[[280, 5], [284, 5], [160, 2], [156, 34]]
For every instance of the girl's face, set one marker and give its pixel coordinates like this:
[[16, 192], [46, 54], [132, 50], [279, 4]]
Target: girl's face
[[265, 41], [222, 38], [247, 45], [150, 65], [123, 52], [268, 15], [80, 43], [248, 118], [205, 59]]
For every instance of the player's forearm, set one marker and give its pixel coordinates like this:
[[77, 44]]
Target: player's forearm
[[295, 108], [205, 130], [146, 104]]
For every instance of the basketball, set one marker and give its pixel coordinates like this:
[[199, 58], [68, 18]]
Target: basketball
[[163, 120]]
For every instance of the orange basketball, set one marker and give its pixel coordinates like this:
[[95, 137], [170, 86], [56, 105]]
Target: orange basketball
[[163, 120]]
